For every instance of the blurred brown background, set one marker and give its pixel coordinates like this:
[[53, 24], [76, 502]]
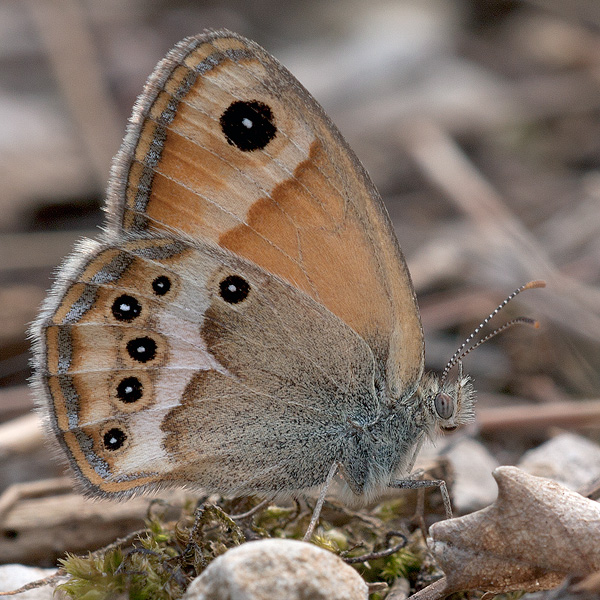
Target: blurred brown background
[[478, 121]]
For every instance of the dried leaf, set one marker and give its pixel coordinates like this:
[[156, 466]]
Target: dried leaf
[[534, 535]]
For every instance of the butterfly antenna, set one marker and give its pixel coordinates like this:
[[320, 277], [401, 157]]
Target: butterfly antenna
[[465, 349]]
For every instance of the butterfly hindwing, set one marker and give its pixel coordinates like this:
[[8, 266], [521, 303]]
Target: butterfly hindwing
[[176, 362]]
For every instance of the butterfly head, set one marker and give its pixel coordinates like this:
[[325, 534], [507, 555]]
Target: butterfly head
[[450, 403], [454, 401]]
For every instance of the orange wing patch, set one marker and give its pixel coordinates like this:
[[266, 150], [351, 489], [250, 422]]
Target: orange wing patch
[[323, 244]]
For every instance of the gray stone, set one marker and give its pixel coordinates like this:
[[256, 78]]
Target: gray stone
[[12, 577], [570, 459], [474, 487], [276, 569]]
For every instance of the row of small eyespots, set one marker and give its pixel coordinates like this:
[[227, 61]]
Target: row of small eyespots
[[126, 308], [232, 289]]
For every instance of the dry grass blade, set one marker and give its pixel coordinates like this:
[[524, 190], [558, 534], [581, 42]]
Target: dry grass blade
[[79, 73], [581, 414], [505, 240]]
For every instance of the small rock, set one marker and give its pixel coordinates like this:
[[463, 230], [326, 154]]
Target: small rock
[[474, 487], [12, 577], [570, 459], [277, 569]]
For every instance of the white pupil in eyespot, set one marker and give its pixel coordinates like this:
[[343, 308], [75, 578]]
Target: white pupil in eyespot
[[141, 349], [246, 122], [125, 307], [128, 389], [232, 288]]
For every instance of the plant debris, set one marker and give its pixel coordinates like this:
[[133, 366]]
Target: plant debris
[[535, 535], [161, 561]]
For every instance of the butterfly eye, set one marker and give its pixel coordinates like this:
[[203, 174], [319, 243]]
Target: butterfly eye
[[126, 308], [234, 289], [248, 125], [444, 406]]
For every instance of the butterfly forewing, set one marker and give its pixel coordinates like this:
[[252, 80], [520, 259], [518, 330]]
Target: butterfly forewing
[[226, 145]]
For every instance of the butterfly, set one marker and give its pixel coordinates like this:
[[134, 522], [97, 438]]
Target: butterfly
[[246, 323]]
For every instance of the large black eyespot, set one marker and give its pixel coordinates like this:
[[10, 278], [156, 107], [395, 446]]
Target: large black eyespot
[[161, 285], [114, 438], [248, 125], [234, 289], [126, 308], [142, 349], [130, 389], [444, 405]]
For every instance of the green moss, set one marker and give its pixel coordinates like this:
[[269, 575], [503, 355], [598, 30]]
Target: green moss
[[161, 562], [141, 576], [403, 563]]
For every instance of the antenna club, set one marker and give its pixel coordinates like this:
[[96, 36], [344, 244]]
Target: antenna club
[[525, 321], [537, 283]]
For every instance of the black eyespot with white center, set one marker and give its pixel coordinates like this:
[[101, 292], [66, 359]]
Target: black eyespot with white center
[[130, 390], [114, 439], [248, 125], [234, 289], [444, 405], [161, 285], [142, 349], [126, 308]]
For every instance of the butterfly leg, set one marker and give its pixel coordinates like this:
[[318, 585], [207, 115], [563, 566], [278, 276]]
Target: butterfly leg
[[319, 505], [415, 484]]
